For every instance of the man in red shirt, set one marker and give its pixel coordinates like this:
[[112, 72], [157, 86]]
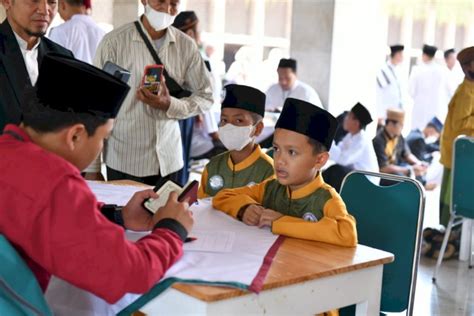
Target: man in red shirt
[[48, 212]]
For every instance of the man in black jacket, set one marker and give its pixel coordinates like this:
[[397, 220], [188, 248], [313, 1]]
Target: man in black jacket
[[22, 47]]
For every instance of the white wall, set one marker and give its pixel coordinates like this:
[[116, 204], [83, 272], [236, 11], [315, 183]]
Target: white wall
[[358, 50]]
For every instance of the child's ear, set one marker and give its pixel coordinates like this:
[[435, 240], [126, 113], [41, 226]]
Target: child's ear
[[321, 160], [75, 135], [258, 128]]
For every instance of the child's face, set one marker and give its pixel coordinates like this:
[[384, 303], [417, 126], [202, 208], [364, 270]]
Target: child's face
[[295, 163], [237, 117]]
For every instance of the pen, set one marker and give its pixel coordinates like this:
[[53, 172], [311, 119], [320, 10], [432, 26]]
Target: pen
[[189, 239]]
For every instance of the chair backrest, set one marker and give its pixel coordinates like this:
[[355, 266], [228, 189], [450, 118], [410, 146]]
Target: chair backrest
[[20, 293], [462, 175], [389, 218]]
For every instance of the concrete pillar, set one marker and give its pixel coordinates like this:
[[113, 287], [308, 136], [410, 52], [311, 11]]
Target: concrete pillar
[[102, 11], [339, 52], [257, 26], [217, 25], [124, 11], [469, 35], [449, 35], [429, 32]]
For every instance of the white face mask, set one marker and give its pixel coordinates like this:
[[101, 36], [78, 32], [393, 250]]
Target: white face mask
[[236, 137], [158, 20]]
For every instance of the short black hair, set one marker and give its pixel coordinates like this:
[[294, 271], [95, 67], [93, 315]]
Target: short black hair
[[255, 117], [44, 119], [317, 146], [448, 52], [75, 3]]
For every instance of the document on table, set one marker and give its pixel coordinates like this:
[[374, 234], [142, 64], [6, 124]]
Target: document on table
[[211, 241]]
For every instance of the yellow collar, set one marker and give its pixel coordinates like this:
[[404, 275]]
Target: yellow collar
[[307, 189], [247, 162]]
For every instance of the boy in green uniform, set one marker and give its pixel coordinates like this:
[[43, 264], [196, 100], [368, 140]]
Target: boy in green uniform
[[244, 164], [297, 203]]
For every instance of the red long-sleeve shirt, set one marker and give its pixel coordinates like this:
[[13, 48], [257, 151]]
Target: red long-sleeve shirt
[[49, 214]]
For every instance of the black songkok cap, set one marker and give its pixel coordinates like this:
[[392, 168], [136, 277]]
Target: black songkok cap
[[288, 63], [70, 85], [396, 48], [362, 114], [308, 119], [244, 97], [185, 20], [429, 50]]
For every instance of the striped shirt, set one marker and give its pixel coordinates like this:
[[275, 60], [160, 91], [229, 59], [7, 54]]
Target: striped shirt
[[147, 141]]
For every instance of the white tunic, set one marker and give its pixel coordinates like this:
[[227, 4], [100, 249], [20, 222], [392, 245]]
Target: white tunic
[[390, 89], [355, 151], [429, 87], [201, 142], [276, 96], [81, 35]]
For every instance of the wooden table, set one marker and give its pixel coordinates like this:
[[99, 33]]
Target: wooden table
[[305, 278]]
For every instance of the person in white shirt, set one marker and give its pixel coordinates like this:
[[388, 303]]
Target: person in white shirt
[[455, 74], [79, 33], [289, 86], [390, 87], [429, 88], [355, 151], [145, 144]]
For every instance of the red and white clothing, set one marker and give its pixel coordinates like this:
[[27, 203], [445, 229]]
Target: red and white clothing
[[49, 214]]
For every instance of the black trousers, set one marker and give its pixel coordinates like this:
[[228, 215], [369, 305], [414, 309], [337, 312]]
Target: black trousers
[[151, 180]]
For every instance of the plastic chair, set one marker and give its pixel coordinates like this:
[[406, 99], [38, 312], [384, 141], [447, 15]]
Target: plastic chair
[[389, 218], [462, 192], [20, 293]]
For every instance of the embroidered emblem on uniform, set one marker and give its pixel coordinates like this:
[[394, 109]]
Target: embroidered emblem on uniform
[[251, 183], [216, 182], [310, 217]]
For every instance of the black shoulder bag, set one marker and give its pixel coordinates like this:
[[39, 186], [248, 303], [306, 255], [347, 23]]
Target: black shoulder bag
[[174, 88]]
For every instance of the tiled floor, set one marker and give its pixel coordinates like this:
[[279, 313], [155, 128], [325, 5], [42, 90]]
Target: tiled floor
[[453, 294]]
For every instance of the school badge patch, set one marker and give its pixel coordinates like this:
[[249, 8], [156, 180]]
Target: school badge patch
[[309, 217], [216, 182]]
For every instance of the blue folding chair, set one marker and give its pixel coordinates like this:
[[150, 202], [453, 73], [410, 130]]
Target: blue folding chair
[[389, 218], [20, 293], [462, 192]]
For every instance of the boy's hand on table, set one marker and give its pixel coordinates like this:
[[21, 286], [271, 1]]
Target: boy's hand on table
[[252, 214], [268, 216]]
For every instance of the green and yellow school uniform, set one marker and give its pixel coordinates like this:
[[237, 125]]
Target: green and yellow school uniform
[[221, 173], [313, 212]]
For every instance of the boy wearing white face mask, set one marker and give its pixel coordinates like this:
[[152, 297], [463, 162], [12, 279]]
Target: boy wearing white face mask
[[244, 164]]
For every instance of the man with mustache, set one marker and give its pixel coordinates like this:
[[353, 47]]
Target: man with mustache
[[22, 47]]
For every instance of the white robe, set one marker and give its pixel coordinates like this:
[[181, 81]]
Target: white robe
[[355, 151], [276, 96], [390, 89], [429, 87], [80, 34]]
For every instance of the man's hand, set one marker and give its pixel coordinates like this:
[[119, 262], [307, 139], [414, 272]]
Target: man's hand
[[161, 101], [135, 216], [175, 210], [268, 217], [252, 214], [96, 176], [420, 169]]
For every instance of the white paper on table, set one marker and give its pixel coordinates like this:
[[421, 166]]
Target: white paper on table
[[211, 241], [240, 265], [113, 194]]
